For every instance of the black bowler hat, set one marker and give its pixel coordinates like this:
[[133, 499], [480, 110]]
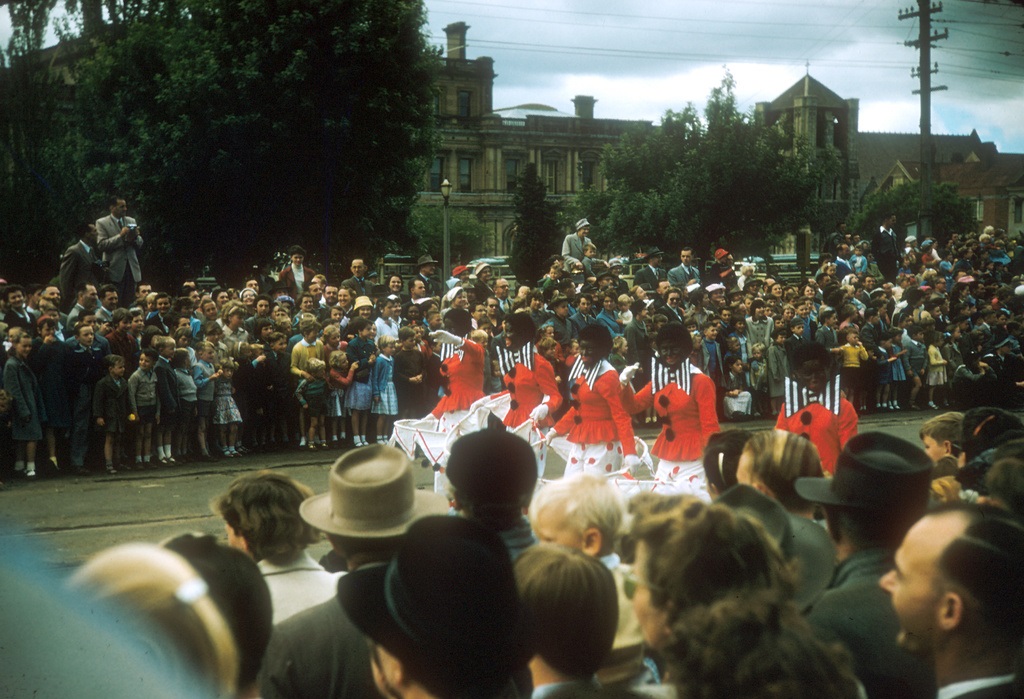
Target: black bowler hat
[[875, 471], [446, 605], [492, 467]]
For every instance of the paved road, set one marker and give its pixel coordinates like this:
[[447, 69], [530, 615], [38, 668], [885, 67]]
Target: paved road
[[71, 518]]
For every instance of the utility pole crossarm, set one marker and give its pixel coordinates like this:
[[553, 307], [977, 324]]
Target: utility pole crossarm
[[923, 73]]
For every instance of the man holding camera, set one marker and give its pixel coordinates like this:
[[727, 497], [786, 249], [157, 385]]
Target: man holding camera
[[119, 238]]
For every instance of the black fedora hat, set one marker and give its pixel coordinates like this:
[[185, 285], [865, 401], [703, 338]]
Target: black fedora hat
[[799, 539], [653, 252], [874, 471], [447, 605], [426, 260]]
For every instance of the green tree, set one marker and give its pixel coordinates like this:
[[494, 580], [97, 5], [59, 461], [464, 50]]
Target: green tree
[[39, 192], [536, 227], [951, 213], [466, 232], [721, 178], [237, 127]]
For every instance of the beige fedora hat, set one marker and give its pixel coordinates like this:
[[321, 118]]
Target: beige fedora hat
[[371, 494]]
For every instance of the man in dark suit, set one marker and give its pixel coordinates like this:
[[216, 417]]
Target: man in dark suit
[[358, 283], [427, 266], [958, 591], [887, 249], [653, 272], [79, 265], [880, 488], [119, 238]]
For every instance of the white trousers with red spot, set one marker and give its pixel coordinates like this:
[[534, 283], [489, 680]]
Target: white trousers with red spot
[[682, 478], [602, 459]]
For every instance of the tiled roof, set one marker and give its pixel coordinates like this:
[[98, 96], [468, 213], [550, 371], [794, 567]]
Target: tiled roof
[[984, 177], [878, 152]]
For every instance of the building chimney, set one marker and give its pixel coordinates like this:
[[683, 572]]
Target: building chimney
[[456, 39], [584, 106]]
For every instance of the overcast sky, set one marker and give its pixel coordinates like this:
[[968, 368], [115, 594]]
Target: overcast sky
[[640, 58]]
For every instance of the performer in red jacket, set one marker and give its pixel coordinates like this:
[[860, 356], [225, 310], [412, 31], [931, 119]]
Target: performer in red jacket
[[684, 399], [528, 377], [598, 425], [815, 407], [462, 368]]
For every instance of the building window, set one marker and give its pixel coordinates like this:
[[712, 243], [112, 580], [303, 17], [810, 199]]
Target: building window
[[465, 175], [464, 99], [550, 170], [587, 170], [436, 174], [511, 173], [1018, 210], [437, 104], [979, 210]]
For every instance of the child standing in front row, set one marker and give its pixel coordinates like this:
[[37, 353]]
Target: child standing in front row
[[110, 408], [361, 351], [181, 363], [204, 375], [312, 396], [382, 383], [167, 393], [936, 365], [226, 414], [759, 380], [144, 405], [339, 377]]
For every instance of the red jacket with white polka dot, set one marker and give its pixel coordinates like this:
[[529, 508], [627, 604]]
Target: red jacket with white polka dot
[[597, 415]]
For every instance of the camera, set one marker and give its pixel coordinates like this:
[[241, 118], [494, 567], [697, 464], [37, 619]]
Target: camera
[[132, 226]]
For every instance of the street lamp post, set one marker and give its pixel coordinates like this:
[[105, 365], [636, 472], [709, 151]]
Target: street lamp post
[[446, 192]]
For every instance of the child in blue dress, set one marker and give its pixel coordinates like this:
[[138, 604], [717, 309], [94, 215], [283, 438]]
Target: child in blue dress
[[226, 415], [382, 381]]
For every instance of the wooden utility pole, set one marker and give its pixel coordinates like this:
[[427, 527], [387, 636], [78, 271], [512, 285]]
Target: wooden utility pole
[[924, 73]]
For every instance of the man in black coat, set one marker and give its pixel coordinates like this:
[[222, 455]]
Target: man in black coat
[[887, 249], [79, 265], [653, 272], [880, 488]]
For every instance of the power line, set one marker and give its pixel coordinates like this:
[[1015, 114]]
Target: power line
[[701, 57]]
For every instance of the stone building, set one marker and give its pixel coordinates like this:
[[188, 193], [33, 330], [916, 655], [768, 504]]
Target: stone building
[[484, 150]]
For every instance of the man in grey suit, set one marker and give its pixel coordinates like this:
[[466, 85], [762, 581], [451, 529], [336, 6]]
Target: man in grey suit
[[686, 272], [574, 243], [119, 238], [79, 265]]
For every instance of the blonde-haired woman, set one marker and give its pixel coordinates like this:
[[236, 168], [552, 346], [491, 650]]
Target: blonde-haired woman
[[165, 591], [772, 461]]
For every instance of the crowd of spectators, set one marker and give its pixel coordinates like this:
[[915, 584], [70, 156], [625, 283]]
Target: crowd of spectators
[[510, 587], [307, 362]]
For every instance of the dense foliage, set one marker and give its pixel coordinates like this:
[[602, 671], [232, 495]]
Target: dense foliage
[[536, 234], [951, 213], [236, 127], [721, 178]]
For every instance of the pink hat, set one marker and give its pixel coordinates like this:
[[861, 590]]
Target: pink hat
[[721, 254]]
